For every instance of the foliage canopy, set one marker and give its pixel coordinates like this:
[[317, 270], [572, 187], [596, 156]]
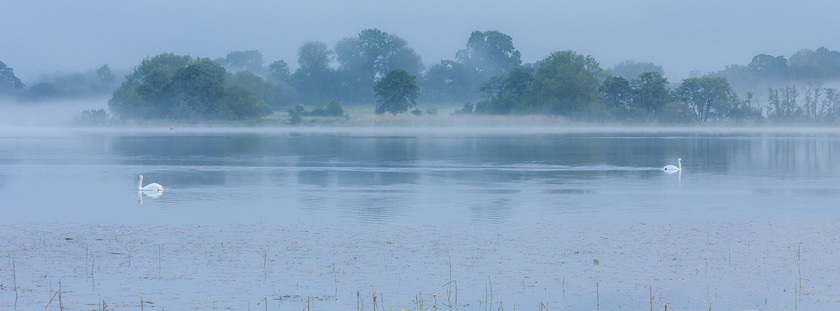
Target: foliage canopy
[[169, 86], [396, 93]]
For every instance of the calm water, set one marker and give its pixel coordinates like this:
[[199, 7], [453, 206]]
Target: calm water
[[317, 215]]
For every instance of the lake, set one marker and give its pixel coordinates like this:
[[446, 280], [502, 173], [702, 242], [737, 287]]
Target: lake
[[420, 218]]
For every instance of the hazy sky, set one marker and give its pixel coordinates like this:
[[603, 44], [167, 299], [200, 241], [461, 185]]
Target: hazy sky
[[46, 36]]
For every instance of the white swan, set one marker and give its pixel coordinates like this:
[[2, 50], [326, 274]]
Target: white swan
[[670, 169], [150, 187]]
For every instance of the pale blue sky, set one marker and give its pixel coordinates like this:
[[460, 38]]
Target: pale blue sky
[[45, 36]]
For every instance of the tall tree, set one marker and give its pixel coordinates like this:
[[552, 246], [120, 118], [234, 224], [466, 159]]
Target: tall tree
[[567, 84], [618, 97], [8, 81], [783, 104], [199, 91], [651, 93], [284, 83], [368, 57], [708, 97], [315, 79], [487, 54], [144, 92], [396, 93]]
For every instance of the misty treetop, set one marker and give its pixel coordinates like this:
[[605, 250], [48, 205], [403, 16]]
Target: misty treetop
[[93, 83], [765, 70], [169, 86], [236, 61], [9, 83], [630, 70], [486, 54]]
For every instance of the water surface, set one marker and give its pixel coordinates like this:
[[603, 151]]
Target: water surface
[[297, 215]]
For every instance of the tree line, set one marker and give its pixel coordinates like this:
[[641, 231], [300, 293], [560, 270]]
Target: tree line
[[487, 76]]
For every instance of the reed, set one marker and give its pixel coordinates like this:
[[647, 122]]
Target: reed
[[60, 302], [160, 248], [374, 299], [449, 286], [651, 297], [564, 287], [51, 300], [597, 296]]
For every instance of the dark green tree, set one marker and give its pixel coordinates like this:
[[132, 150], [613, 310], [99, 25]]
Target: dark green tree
[[650, 94], [505, 93], [199, 91], [567, 84], [396, 93], [9, 83], [169, 86], [242, 104], [259, 88], [709, 98], [144, 92], [617, 95]]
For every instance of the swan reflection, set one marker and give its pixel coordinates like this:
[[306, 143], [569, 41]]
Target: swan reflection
[[151, 194]]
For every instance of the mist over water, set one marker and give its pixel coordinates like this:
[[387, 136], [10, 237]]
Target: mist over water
[[45, 114]]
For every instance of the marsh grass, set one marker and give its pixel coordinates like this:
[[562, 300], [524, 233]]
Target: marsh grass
[[494, 293]]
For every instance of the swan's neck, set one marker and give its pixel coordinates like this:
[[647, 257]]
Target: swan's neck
[[679, 163], [140, 183]]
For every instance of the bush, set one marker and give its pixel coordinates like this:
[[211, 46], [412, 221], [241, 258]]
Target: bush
[[92, 117], [466, 109]]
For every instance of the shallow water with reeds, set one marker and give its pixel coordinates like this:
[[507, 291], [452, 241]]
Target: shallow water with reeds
[[420, 218]]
